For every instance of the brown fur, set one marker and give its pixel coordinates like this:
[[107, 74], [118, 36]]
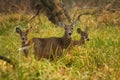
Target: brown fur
[[49, 47]]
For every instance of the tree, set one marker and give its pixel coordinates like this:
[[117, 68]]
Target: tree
[[54, 10]]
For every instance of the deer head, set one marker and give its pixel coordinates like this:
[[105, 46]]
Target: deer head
[[23, 34], [68, 29], [84, 34]]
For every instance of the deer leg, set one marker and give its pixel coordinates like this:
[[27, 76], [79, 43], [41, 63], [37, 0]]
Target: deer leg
[[25, 53]]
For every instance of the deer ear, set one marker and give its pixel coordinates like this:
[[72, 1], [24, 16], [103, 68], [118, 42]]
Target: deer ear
[[75, 23], [61, 24], [18, 30], [79, 30]]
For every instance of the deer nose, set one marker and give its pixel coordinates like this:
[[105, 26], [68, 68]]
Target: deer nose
[[70, 34], [87, 39], [23, 38]]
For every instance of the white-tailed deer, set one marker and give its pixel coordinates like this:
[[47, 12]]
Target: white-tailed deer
[[84, 36], [49, 47], [24, 39]]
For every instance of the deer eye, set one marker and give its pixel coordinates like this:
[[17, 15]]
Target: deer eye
[[71, 28]]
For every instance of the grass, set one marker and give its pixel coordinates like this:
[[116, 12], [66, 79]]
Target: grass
[[98, 59]]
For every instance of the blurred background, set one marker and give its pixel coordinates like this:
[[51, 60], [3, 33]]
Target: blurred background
[[7, 6], [61, 10]]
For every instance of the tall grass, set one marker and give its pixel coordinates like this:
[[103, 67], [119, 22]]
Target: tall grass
[[98, 59]]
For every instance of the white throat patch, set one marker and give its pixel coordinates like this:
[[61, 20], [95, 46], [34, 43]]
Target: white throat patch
[[23, 48]]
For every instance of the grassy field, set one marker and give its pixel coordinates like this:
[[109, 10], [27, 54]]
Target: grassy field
[[98, 59]]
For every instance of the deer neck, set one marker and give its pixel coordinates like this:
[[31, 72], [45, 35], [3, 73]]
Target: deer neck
[[66, 40], [25, 45], [82, 40]]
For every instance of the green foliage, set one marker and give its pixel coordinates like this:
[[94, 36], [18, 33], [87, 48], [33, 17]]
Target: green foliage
[[98, 59]]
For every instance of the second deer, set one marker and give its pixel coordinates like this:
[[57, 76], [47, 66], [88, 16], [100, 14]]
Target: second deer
[[84, 36], [49, 47]]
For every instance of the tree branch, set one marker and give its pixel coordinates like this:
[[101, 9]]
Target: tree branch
[[6, 60]]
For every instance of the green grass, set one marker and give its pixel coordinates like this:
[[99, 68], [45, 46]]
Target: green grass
[[98, 59]]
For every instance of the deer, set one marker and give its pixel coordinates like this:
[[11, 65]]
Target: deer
[[84, 36], [24, 40], [48, 47]]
